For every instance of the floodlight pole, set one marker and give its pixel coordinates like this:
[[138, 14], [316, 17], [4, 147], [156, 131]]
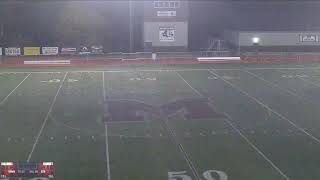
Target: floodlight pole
[[131, 43], [256, 46]]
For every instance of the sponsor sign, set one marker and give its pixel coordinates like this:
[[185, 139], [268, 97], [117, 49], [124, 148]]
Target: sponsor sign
[[167, 34], [50, 50], [166, 13], [68, 50], [31, 51], [84, 50], [0, 51], [309, 38], [97, 49], [12, 51]]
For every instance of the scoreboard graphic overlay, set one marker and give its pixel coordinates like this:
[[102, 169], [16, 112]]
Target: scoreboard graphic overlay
[[26, 170]]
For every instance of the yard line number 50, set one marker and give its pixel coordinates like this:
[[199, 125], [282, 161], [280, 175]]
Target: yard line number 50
[[208, 175]]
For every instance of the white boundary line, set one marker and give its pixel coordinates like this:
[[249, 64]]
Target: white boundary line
[[267, 107], [242, 135], [160, 70], [46, 118], [5, 99], [106, 131]]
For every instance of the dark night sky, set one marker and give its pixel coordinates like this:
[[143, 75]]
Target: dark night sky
[[36, 21]]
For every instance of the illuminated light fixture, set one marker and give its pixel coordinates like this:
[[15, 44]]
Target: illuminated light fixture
[[255, 40]]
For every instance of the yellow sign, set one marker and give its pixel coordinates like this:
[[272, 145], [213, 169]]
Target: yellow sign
[[31, 51]]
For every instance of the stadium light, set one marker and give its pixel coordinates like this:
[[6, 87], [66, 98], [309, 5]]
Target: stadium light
[[255, 40]]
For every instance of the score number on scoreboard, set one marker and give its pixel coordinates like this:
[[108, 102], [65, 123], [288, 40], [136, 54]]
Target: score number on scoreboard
[[29, 170]]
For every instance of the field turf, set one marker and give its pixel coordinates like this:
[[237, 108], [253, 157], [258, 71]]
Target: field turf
[[208, 122]]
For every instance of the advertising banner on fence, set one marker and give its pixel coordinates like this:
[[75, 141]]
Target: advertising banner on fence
[[309, 38], [31, 51], [12, 51], [68, 50], [0, 51], [50, 50], [97, 49], [84, 50]]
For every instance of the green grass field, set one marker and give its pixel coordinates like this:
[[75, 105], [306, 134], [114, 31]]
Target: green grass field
[[143, 122]]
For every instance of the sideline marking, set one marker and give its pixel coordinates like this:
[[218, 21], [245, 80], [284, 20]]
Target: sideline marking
[[267, 107], [106, 131], [46, 118], [164, 70], [5, 99], [241, 134]]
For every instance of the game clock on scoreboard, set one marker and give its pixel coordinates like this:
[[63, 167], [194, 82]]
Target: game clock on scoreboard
[[30, 170]]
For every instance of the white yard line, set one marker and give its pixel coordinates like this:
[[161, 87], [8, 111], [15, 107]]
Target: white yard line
[[305, 80], [46, 119], [310, 82], [271, 83], [5, 99], [267, 107], [104, 88], [228, 120], [277, 86], [106, 132], [182, 150], [241, 134], [196, 91], [107, 151], [173, 136]]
